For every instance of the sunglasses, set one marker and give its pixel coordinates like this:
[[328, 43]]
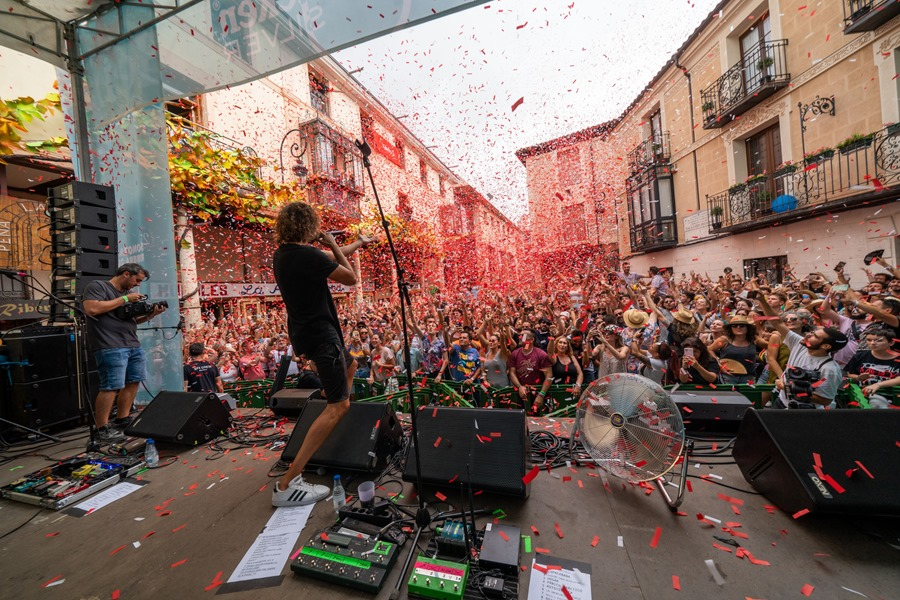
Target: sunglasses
[[733, 326]]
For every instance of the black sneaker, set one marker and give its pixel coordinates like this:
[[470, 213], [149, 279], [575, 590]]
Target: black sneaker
[[123, 423], [109, 434]]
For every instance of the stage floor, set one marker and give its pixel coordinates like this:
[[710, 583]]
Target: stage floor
[[193, 521]]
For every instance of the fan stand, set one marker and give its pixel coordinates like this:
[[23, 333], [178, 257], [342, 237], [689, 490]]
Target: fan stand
[[661, 482]]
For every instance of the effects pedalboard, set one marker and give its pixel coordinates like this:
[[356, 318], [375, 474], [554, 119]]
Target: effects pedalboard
[[358, 563], [72, 479]]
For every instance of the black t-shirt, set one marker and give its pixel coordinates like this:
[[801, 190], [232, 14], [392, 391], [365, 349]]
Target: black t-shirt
[[302, 272], [878, 369], [108, 330], [200, 376]]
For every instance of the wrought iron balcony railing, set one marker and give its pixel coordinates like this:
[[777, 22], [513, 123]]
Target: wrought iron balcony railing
[[868, 15], [861, 172], [332, 155], [759, 74], [654, 234], [653, 151]]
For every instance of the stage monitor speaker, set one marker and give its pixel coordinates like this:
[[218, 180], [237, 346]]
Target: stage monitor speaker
[[290, 402], [713, 411], [362, 441], [491, 444], [799, 459], [188, 418]]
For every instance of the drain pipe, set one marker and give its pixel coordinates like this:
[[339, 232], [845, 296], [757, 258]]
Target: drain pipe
[[685, 72]]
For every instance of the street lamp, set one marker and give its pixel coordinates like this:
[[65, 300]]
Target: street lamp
[[601, 200]]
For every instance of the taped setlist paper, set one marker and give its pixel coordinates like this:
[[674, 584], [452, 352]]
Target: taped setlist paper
[[550, 575], [266, 557]]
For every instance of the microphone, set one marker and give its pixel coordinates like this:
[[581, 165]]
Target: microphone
[[10, 273]]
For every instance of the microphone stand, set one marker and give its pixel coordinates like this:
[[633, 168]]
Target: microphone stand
[[423, 519], [80, 361]]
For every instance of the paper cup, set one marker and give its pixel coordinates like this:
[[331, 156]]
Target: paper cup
[[366, 493]]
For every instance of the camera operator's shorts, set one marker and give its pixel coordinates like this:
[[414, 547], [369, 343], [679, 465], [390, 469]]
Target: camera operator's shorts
[[332, 361], [118, 367]]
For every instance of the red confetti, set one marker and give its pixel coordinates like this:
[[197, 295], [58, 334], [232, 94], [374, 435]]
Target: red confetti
[[655, 541], [178, 564], [541, 550], [440, 496], [865, 470], [558, 530], [807, 590], [676, 583], [535, 531], [566, 593], [800, 513], [49, 581], [595, 541], [518, 103], [529, 477], [502, 534], [437, 442]]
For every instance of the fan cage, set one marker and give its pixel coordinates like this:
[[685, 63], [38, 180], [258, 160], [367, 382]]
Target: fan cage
[[631, 427]]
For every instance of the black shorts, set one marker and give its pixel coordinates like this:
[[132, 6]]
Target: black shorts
[[332, 361]]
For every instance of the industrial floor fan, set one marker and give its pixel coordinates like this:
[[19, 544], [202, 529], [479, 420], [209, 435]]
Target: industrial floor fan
[[632, 429]]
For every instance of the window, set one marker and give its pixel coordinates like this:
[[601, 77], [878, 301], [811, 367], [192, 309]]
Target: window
[[318, 93], [651, 209], [368, 125], [578, 228], [441, 185], [404, 208], [757, 64], [656, 131], [423, 171], [401, 152], [186, 108], [763, 155], [771, 266], [568, 165]]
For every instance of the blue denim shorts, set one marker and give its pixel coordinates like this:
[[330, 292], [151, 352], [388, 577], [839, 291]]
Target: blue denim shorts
[[118, 367]]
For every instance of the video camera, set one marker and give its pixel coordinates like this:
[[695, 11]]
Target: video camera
[[799, 386], [140, 308]]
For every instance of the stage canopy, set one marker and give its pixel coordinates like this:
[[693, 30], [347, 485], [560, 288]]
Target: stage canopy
[[125, 58]]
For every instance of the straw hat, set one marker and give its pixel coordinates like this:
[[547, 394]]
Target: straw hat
[[683, 316], [732, 367], [635, 319], [739, 320]]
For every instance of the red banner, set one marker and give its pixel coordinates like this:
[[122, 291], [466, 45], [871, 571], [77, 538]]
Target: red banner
[[385, 148]]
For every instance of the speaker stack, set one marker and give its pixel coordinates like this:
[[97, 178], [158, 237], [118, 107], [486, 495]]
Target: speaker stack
[[40, 388], [84, 241]]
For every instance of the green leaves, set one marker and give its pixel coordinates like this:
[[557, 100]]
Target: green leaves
[[15, 114]]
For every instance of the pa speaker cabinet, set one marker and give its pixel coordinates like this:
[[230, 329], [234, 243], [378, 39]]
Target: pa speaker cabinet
[[45, 403], [188, 418], [492, 445], [777, 452], [707, 410], [290, 403], [87, 193], [361, 441]]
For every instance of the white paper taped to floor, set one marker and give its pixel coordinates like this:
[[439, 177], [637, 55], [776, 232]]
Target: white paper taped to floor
[[267, 555]]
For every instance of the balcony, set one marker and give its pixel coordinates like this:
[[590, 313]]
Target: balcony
[[868, 15], [651, 210], [761, 73], [652, 152], [830, 180], [329, 162]]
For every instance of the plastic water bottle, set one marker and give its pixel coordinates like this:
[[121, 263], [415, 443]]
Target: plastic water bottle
[[338, 495], [151, 454]]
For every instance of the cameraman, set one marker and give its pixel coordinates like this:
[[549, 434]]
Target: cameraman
[[113, 338], [813, 352]]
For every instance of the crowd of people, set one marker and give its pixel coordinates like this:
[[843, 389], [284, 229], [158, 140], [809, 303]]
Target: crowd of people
[[804, 333]]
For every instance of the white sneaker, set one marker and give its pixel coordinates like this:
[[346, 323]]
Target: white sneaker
[[298, 493]]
